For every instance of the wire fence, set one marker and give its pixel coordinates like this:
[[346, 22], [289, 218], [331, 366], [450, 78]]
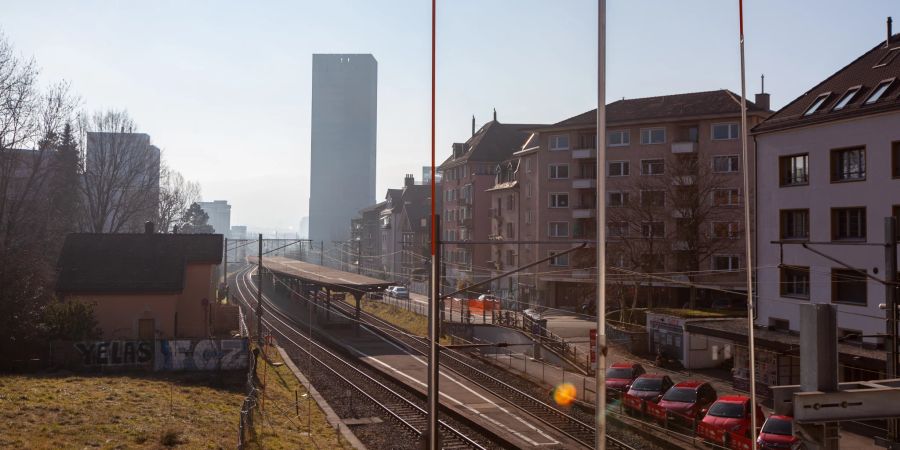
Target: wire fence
[[250, 407]]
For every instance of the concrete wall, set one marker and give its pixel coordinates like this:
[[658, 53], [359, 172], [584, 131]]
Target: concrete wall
[[343, 131], [878, 194]]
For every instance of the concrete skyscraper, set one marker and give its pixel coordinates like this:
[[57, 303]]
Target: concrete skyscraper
[[344, 115]]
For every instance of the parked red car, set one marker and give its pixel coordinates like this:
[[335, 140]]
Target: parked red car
[[650, 387], [732, 413], [621, 374], [688, 400], [778, 432]]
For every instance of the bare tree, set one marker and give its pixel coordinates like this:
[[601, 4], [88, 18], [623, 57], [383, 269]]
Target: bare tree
[[176, 195], [120, 174], [673, 220]]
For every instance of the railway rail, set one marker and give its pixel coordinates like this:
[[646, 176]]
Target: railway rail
[[408, 415]]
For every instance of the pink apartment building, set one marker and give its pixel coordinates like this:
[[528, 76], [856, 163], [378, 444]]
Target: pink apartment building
[[466, 176], [674, 208]]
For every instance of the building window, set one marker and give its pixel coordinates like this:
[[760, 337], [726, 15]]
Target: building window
[[559, 142], [725, 131], [510, 204], [558, 260], [794, 169], [795, 281], [653, 229], [528, 165], [653, 136], [559, 171], [559, 200], [618, 168], [653, 262], [617, 199], [794, 224], [725, 163], [510, 257], [848, 164], [896, 214], [846, 98], [848, 224], [879, 91], [817, 103], [726, 262], [726, 230], [895, 159], [510, 230], [653, 166], [848, 286], [529, 216], [559, 229], [617, 229], [587, 141], [726, 197], [653, 198], [528, 189], [619, 138]]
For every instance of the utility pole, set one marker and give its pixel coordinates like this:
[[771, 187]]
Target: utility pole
[[225, 270], [322, 253], [359, 256], [890, 300], [600, 377], [259, 282], [434, 316]]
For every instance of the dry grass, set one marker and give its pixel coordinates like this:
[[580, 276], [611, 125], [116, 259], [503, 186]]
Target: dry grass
[[119, 411], [413, 323], [154, 410], [289, 412]]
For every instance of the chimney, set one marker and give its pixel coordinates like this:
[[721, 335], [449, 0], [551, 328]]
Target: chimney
[[890, 32], [148, 227], [473, 124], [495, 114], [762, 99], [409, 181]]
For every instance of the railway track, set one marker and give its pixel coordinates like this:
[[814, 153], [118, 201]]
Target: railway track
[[409, 416], [570, 426]]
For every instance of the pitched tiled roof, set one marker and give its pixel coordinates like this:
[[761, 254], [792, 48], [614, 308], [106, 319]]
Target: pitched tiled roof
[[710, 103], [132, 263], [495, 141], [866, 72]]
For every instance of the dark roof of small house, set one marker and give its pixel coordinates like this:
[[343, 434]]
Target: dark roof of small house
[[495, 141], [694, 104], [132, 263], [866, 72], [417, 203]]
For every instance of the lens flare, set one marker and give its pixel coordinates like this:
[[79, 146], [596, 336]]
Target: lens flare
[[564, 394]]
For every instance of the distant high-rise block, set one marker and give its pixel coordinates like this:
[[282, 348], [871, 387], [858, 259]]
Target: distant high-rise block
[[219, 212], [344, 113]]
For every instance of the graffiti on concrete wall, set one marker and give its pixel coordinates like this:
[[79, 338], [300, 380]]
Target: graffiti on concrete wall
[[204, 354], [115, 353]]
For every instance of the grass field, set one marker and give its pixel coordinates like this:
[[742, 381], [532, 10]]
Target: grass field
[[413, 323], [155, 410]]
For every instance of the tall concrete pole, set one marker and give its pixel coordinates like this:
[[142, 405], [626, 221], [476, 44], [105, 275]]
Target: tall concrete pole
[[600, 388], [748, 266], [890, 300], [434, 440]]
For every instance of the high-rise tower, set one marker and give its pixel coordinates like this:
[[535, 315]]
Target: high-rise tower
[[344, 114]]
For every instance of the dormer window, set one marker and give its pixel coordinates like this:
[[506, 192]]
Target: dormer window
[[846, 98], [887, 58], [879, 91], [820, 100]]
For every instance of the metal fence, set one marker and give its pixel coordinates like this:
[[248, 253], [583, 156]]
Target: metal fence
[[250, 407]]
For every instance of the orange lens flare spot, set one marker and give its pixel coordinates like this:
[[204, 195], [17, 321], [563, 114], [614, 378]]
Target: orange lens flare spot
[[564, 394]]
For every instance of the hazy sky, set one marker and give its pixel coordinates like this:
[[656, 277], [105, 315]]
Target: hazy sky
[[224, 87]]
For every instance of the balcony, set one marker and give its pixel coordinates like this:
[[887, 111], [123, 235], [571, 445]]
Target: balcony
[[684, 147], [680, 246], [584, 153], [581, 273], [584, 213], [584, 183], [684, 180]]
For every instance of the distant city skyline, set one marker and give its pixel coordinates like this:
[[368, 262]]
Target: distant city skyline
[[231, 109]]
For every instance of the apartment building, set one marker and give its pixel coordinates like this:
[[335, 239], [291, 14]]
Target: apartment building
[[829, 174], [405, 233], [465, 178], [366, 231], [506, 217], [674, 182]]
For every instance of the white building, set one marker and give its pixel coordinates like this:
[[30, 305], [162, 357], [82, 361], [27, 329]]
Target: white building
[[828, 170], [219, 212], [344, 113]]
